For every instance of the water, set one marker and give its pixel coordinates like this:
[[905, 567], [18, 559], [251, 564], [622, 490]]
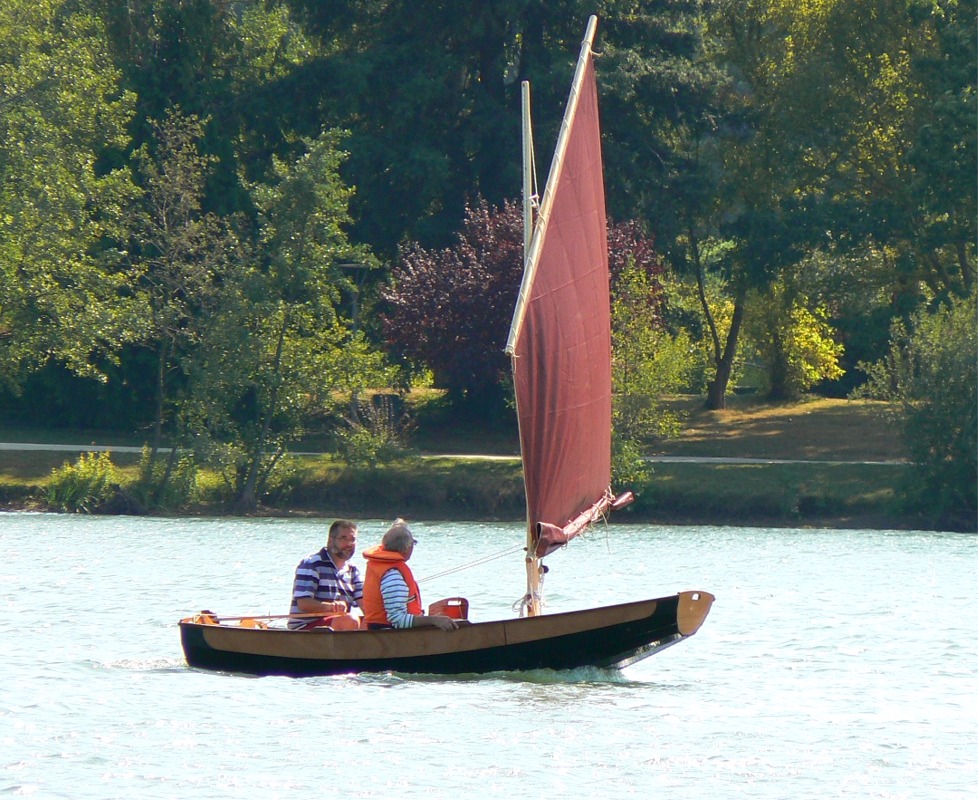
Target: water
[[834, 664]]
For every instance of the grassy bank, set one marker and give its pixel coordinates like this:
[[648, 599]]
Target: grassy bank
[[831, 486], [823, 494]]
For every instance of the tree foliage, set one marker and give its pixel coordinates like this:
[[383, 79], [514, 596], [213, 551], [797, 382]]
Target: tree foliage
[[293, 349], [61, 110], [839, 97], [649, 363], [823, 149], [793, 341], [431, 96], [650, 359], [450, 309], [179, 257]]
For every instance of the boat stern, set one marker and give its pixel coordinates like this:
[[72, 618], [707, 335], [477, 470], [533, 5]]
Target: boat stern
[[694, 606]]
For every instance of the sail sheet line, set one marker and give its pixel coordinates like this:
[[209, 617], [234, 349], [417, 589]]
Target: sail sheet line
[[476, 563]]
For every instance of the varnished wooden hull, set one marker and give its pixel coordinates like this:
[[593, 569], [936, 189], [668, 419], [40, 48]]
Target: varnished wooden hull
[[611, 637]]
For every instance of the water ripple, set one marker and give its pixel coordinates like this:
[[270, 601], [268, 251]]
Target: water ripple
[[835, 664]]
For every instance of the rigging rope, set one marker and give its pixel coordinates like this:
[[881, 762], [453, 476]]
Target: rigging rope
[[476, 563]]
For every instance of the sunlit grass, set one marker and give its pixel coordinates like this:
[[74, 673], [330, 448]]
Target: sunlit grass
[[775, 493], [810, 429]]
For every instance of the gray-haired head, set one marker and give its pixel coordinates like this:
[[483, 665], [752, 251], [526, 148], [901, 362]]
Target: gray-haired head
[[398, 538]]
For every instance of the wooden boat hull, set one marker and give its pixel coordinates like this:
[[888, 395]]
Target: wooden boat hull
[[610, 637]]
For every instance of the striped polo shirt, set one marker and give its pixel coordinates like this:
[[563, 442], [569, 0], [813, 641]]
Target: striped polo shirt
[[317, 577]]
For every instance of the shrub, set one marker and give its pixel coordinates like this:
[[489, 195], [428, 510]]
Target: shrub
[[87, 485], [628, 467], [648, 363], [166, 483], [374, 434]]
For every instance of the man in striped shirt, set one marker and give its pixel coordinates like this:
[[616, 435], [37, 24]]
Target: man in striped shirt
[[326, 582]]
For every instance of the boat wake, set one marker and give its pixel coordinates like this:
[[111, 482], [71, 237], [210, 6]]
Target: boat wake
[[544, 677]]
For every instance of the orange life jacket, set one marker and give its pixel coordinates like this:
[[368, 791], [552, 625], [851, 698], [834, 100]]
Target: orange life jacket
[[379, 562]]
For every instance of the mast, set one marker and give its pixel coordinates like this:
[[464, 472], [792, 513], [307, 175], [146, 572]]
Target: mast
[[528, 170], [533, 598], [534, 235]]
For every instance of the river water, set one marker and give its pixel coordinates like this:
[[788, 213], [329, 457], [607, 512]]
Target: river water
[[835, 664]]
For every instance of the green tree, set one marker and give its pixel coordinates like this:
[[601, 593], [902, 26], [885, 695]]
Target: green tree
[[862, 134], [931, 371], [431, 94], [649, 362], [294, 349], [179, 257], [61, 110], [794, 342], [666, 107], [238, 65]]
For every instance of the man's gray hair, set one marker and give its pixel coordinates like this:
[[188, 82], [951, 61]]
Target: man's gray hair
[[398, 537]]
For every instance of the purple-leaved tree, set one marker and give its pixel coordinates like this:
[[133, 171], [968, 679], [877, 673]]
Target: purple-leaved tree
[[450, 309]]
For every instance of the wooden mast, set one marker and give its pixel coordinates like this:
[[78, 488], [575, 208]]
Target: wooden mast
[[532, 600]]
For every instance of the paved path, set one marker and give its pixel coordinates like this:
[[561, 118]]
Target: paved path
[[95, 448], [73, 448], [686, 459]]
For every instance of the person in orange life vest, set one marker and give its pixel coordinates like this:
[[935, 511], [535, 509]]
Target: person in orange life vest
[[327, 584], [391, 598]]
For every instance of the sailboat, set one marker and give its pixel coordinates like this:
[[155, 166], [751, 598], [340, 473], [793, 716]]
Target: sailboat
[[560, 348]]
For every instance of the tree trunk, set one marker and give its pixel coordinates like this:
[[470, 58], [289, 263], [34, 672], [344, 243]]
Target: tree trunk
[[716, 395], [701, 293], [160, 389], [248, 498]]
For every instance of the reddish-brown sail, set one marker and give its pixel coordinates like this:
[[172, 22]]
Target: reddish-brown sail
[[560, 341]]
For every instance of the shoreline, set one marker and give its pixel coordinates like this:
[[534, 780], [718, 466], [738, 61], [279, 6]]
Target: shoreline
[[852, 521]]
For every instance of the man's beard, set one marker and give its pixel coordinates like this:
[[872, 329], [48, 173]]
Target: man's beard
[[344, 554]]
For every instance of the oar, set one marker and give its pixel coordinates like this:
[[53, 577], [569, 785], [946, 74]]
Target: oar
[[265, 616]]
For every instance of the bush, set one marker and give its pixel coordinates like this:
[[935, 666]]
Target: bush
[[932, 372], [628, 467], [87, 485], [375, 434], [165, 483], [648, 363]]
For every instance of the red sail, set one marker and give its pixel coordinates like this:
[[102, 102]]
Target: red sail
[[562, 350]]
